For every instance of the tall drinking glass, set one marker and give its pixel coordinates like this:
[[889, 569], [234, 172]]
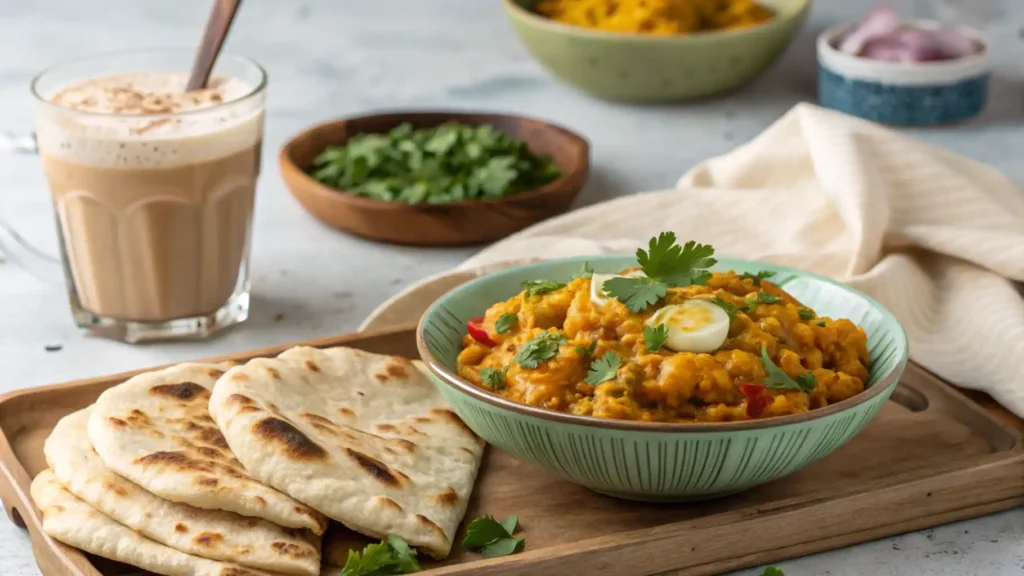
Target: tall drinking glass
[[153, 189]]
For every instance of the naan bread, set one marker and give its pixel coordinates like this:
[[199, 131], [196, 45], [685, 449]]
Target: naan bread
[[366, 439], [70, 520], [155, 430], [213, 534]]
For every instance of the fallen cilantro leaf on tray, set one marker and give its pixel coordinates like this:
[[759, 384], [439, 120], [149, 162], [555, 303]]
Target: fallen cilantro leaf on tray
[[603, 368], [540, 348], [772, 571], [453, 162], [655, 336], [493, 538], [777, 379], [390, 556], [505, 322]]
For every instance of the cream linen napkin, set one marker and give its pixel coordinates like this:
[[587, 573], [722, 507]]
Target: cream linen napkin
[[936, 237]]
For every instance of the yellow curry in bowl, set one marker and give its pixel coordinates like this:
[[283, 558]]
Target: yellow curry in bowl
[[668, 341]]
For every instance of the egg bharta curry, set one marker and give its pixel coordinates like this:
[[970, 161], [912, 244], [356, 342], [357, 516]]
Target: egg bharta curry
[[668, 341]]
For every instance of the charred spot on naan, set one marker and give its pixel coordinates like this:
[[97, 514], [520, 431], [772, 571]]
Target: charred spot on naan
[[377, 469], [449, 498], [450, 417], [394, 368], [239, 571], [206, 482], [297, 445], [117, 422], [116, 488], [312, 366], [179, 527], [293, 550], [346, 411], [428, 523], [183, 391], [389, 503], [208, 539], [181, 462], [273, 372]]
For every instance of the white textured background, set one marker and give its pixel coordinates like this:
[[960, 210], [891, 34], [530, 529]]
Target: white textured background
[[331, 58]]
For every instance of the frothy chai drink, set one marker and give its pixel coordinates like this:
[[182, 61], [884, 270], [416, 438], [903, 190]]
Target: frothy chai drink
[[153, 188]]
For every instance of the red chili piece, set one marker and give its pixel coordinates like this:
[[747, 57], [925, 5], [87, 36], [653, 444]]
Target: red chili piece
[[478, 333], [758, 399]]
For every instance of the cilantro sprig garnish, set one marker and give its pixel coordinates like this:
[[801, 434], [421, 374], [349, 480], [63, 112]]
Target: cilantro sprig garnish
[[777, 379], [773, 571], [505, 322], [730, 308], [540, 348], [655, 336], [390, 556], [538, 287], [493, 378], [493, 538], [586, 351], [758, 276], [665, 264], [603, 368], [805, 314], [766, 298], [586, 272]]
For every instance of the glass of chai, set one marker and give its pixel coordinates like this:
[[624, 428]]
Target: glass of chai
[[153, 189]]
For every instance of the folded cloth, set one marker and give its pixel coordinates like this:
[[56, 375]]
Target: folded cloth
[[937, 238]]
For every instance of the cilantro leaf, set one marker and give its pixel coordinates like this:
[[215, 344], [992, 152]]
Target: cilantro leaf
[[750, 305], [493, 378], [603, 368], [493, 538], [586, 351], [451, 162], [766, 298], [505, 322], [510, 524], [540, 348], [821, 323], [772, 571], [730, 308], [777, 379], [538, 287], [655, 336], [665, 261], [758, 276], [805, 314], [482, 531], [586, 272], [664, 264], [636, 293], [390, 556], [503, 547]]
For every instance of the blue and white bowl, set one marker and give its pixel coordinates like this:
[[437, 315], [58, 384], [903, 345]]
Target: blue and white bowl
[[904, 93]]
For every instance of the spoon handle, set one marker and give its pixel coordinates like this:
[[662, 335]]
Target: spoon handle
[[217, 26]]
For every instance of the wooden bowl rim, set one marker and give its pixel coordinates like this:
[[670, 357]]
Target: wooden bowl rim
[[515, 10], [560, 184]]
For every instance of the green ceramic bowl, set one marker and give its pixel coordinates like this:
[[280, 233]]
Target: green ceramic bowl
[[650, 461], [637, 68]]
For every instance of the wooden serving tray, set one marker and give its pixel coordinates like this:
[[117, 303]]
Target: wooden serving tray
[[931, 457]]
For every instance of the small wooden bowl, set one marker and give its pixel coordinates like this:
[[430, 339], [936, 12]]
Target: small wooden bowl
[[453, 224]]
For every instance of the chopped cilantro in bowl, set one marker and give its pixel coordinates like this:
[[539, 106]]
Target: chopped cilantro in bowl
[[452, 162]]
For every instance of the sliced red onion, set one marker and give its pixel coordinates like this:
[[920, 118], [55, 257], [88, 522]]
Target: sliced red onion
[[881, 36], [879, 22]]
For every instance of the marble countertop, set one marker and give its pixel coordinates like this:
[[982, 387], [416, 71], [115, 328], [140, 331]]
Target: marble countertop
[[333, 58]]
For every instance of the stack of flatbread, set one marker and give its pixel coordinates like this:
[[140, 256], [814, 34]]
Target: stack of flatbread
[[234, 470]]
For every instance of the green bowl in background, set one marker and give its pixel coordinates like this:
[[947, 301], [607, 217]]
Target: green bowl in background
[[660, 461], [639, 68]]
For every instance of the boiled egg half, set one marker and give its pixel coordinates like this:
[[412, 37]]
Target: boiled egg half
[[695, 326], [597, 294]]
